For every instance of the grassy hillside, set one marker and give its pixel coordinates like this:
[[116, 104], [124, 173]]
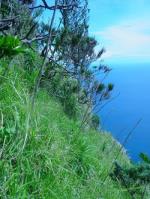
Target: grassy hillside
[[44, 154]]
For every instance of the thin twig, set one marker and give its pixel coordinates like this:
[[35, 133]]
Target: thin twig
[[57, 7]]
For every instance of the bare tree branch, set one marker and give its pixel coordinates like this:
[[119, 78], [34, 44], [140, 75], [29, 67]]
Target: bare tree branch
[[46, 54], [5, 27], [31, 30], [5, 24], [8, 20], [58, 7], [38, 38]]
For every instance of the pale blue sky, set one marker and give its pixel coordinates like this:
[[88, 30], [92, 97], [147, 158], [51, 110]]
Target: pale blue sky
[[123, 28]]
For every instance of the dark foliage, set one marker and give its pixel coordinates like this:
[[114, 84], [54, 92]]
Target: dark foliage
[[135, 178]]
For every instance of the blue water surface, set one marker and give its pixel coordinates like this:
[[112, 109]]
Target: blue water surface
[[132, 88]]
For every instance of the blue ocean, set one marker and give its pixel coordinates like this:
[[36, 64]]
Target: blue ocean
[[130, 103]]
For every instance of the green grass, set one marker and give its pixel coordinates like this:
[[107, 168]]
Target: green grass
[[44, 154]]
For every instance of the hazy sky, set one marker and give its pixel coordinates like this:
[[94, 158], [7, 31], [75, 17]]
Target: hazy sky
[[123, 28]]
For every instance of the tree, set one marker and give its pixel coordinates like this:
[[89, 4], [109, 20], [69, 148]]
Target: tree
[[16, 18], [67, 51]]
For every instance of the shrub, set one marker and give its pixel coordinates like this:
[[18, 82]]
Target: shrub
[[10, 45], [134, 178], [95, 121]]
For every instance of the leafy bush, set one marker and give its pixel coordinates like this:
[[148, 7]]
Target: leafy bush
[[10, 45], [95, 121], [134, 178], [62, 86], [31, 61]]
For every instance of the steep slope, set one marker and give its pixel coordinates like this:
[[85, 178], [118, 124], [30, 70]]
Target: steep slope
[[44, 154]]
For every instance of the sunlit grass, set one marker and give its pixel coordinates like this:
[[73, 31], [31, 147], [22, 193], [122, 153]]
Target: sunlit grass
[[44, 154]]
